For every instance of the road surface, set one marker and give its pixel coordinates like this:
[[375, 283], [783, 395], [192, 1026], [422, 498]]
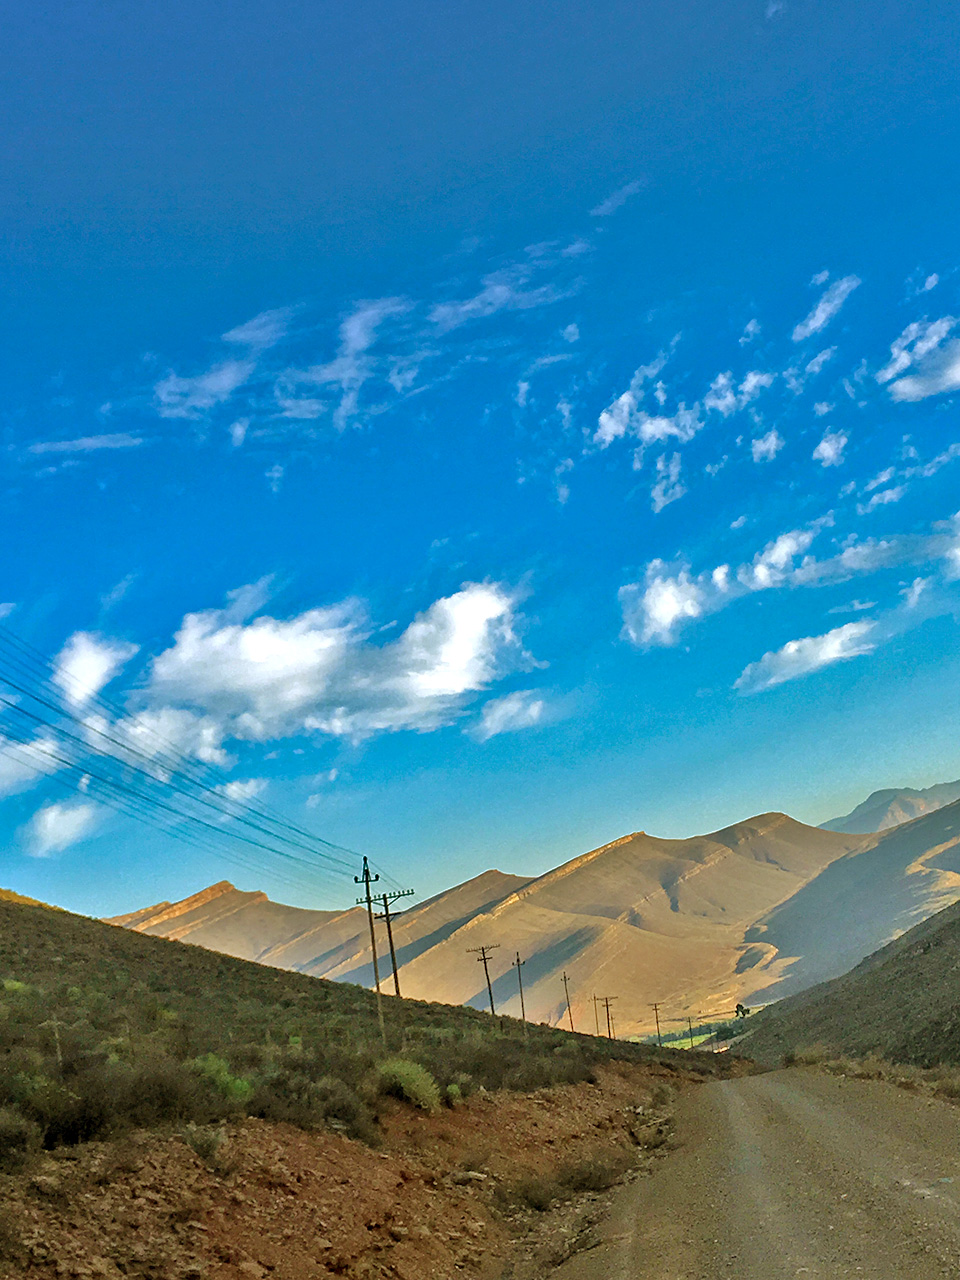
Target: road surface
[[792, 1174]]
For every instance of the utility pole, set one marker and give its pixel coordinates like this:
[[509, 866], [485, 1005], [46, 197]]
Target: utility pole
[[566, 990], [606, 1001], [366, 880], [484, 957], [690, 1025], [387, 899], [518, 963], [656, 1014], [596, 1015]]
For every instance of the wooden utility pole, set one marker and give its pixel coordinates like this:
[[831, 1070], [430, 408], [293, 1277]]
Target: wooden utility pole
[[387, 899], [596, 1014], [566, 991], [606, 1001], [484, 958], [518, 964], [656, 1014], [690, 1025], [366, 880]]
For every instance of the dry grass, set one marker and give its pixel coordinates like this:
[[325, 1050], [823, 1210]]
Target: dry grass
[[942, 1081]]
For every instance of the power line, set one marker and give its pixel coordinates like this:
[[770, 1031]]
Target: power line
[[484, 959], [159, 776]]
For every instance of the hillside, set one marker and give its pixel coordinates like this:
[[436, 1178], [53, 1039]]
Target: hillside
[[103, 1027], [901, 1002], [751, 913], [885, 809]]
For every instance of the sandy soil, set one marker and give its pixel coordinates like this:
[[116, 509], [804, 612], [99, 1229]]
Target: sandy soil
[[274, 1201], [794, 1173]]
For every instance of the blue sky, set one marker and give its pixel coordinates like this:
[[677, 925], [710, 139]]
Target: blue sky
[[479, 436]]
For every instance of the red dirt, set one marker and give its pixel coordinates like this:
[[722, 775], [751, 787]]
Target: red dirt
[[282, 1203]]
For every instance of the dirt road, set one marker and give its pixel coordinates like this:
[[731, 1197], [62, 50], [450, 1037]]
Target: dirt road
[[792, 1174]]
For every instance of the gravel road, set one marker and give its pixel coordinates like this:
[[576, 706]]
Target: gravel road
[[792, 1174]]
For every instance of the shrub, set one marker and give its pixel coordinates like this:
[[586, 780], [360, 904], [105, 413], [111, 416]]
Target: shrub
[[19, 1139], [217, 1071], [399, 1078], [532, 1191], [452, 1095]]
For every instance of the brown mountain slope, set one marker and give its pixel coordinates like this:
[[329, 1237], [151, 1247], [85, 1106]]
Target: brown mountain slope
[[885, 809], [750, 913], [642, 919], [900, 1002], [323, 943]]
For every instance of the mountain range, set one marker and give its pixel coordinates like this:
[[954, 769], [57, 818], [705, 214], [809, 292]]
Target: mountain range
[[756, 911], [885, 809]]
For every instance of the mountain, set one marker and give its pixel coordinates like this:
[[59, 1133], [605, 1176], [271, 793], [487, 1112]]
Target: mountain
[[884, 809], [901, 1002], [754, 912]]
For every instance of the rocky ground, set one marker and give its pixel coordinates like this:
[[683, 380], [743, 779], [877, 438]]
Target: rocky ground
[[505, 1185]]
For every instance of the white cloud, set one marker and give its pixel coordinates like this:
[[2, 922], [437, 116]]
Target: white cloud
[[917, 341], [751, 331], [321, 671], [881, 499], [617, 200], [668, 487], [937, 374], [178, 397], [652, 613], [162, 731], [626, 417], [722, 398], [657, 607], [913, 593], [87, 663], [765, 448], [822, 408], [87, 444], [801, 657], [243, 790], [23, 764], [931, 282], [55, 827], [829, 452], [571, 333], [520, 710], [263, 331], [826, 308], [509, 289], [348, 371]]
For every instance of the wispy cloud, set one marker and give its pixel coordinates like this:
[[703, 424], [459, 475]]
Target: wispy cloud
[[87, 444], [826, 308], [179, 397], [802, 657], [617, 199], [263, 331], [668, 597], [87, 663], [668, 487], [523, 709], [56, 827]]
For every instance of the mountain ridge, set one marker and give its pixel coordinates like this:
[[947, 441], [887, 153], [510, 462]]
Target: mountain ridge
[[696, 924], [891, 806]]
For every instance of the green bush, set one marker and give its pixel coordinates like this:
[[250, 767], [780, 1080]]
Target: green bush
[[217, 1071], [399, 1078], [19, 1139]]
